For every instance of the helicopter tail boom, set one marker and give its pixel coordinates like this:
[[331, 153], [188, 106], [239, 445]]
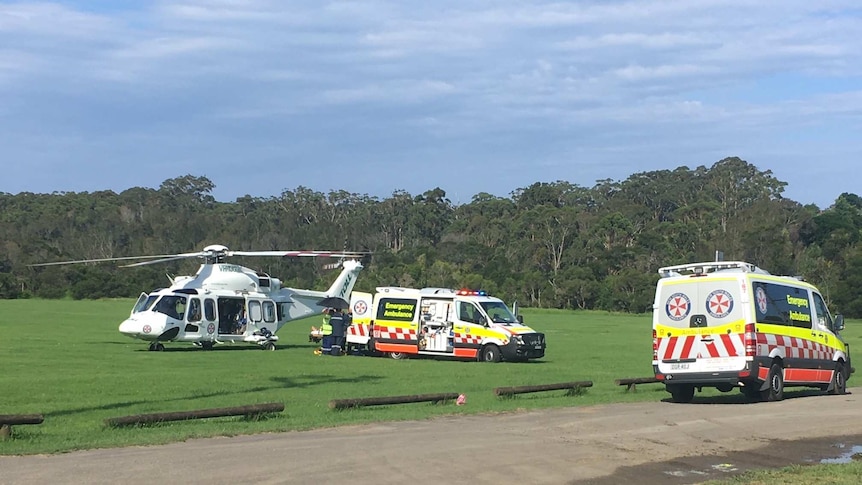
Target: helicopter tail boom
[[343, 285]]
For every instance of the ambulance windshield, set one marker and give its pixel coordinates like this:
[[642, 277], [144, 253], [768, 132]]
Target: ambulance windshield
[[499, 312]]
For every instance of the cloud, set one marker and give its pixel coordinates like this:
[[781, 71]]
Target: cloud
[[504, 84]]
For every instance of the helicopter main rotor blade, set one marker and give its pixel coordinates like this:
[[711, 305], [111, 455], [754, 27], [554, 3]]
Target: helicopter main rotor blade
[[212, 253], [163, 260], [104, 260], [312, 254]]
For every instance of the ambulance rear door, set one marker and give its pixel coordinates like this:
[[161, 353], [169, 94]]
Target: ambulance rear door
[[699, 324], [360, 310]]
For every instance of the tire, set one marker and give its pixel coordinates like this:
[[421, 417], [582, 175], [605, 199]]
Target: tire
[[775, 391], [839, 380], [399, 355], [269, 346], [490, 353], [681, 393]]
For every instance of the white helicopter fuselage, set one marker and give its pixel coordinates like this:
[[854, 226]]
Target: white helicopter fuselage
[[227, 303]]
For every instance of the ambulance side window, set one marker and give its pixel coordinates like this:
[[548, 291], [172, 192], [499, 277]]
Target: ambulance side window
[[782, 305], [397, 309], [467, 312], [823, 317]]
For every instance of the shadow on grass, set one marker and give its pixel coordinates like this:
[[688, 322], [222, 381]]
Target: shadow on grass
[[316, 380], [279, 383]]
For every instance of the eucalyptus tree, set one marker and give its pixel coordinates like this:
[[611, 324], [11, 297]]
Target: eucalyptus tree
[[391, 219], [429, 216]]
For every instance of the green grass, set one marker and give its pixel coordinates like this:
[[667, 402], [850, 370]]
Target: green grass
[[829, 474], [67, 361]]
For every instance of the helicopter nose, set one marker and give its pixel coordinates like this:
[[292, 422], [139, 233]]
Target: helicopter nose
[[140, 328]]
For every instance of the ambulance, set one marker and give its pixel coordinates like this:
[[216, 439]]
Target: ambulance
[[443, 322], [733, 325]]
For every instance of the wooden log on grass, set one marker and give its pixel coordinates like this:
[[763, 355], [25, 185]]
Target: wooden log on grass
[[250, 410], [7, 420], [572, 386], [376, 401], [631, 382]]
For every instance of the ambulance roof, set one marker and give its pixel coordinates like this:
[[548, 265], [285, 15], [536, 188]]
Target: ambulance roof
[[710, 267]]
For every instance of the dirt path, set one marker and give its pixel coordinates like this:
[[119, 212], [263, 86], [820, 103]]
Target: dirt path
[[647, 442]]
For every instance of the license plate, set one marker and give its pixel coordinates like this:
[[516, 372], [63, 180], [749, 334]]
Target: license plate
[[679, 366], [538, 347]]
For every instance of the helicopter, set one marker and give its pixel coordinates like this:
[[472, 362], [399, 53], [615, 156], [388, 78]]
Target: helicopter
[[224, 302]]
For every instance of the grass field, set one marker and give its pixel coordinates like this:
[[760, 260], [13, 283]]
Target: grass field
[[828, 474], [66, 360]]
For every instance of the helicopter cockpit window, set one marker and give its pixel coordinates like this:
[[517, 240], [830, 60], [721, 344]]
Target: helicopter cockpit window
[[254, 311], [268, 311], [172, 306], [139, 305], [195, 310], [145, 303]]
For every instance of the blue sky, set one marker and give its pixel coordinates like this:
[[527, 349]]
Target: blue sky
[[377, 96]]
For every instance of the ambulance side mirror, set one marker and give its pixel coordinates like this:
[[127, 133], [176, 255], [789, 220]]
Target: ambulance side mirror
[[839, 323], [520, 318]]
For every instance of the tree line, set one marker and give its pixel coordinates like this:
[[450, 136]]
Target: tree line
[[548, 245]]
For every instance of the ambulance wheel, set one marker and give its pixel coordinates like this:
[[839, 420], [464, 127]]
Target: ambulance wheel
[[775, 391], [681, 393], [839, 384], [269, 346], [398, 355], [490, 353]]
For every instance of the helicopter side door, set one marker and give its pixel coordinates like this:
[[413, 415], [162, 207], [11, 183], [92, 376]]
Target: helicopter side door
[[262, 315]]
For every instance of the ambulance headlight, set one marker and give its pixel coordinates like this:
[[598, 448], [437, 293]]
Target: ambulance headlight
[[518, 339]]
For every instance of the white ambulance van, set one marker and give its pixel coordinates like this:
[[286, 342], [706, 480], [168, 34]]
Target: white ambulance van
[[442, 322], [733, 325]]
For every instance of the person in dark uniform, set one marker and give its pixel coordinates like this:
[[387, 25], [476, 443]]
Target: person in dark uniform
[[337, 320]]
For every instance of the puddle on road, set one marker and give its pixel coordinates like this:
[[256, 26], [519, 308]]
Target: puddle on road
[[855, 453], [720, 467]]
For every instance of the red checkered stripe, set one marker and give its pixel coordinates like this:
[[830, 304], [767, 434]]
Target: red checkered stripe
[[794, 347], [394, 333], [360, 329], [692, 346], [466, 338]]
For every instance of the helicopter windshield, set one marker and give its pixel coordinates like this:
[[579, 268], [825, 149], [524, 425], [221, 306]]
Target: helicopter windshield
[[172, 306], [499, 312], [144, 303]]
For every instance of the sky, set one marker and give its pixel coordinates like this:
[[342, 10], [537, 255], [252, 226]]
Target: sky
[[372, 97]]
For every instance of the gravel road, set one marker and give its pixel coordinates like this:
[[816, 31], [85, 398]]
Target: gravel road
[[658, 442]]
